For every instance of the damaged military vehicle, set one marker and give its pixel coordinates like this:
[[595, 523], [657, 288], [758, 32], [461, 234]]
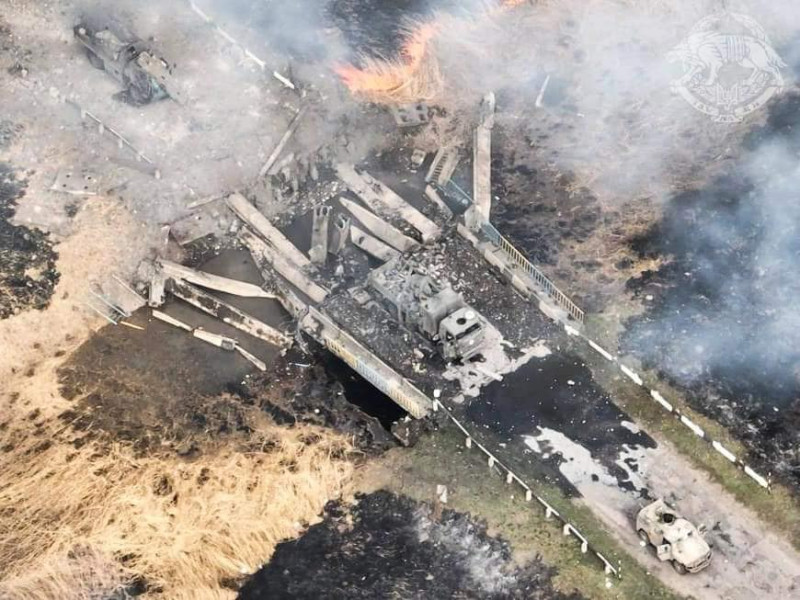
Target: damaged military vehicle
[[144, 76], [674, 538]]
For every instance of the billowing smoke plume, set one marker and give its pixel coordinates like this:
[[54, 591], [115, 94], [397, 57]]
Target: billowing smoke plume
[[723, 316]]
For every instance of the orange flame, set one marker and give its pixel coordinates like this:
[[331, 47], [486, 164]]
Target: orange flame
[[385, 77], [394, 80]]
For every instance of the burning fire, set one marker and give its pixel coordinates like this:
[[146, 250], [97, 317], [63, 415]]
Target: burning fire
[[412, 77], [385, 80]]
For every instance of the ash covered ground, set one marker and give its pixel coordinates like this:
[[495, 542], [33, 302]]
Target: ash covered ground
[[389, 546], [28, 272], [573, 179]]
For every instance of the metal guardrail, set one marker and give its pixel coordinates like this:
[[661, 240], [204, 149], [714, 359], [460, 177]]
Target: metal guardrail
[[391, 388], [394, 390], [567, 528], [538, 277], [764, 482]]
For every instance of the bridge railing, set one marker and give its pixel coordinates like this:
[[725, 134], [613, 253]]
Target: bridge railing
[[518, 259], [370, 367]]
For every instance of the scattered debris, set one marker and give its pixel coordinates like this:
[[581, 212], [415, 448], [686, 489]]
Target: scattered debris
[[214, 339], [379, 227], [293, 125], [228, 313], [213, 282]]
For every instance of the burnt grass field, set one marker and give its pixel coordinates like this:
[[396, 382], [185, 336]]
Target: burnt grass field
[[724, 320], [28, 273], [390, 546]]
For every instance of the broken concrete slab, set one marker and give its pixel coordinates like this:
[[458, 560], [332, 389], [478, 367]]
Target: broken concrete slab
[[411, 115], [384, 201], [228, 313], [264, 252], [319, 235], [157, 291], [371, 245], [214, 339], [76, 183], [341, 233], [260, 224], [162, 316], [213, 282], [210, 219], [293, 125], [432, 195], [443, 166], [380, 228], [255, 361], [482, 157]]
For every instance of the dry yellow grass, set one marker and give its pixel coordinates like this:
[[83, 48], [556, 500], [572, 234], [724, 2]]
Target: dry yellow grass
[[77, 524]]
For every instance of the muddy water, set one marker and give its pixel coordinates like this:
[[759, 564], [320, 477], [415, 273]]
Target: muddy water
[[161, 382]]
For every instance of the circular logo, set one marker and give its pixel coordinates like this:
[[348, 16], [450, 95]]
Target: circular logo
[[729, 66]]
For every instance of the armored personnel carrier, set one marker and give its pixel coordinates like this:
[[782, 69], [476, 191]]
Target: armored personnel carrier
[[674, 538]]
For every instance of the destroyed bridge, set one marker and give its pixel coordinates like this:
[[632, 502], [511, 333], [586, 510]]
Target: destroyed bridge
[[421, 296]]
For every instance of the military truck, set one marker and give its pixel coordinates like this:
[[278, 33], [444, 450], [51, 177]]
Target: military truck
[[434, 310], [144, 76], [675, 539]]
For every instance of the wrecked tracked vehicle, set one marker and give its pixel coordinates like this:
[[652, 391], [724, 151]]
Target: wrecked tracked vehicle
[[438, 312], [674, 538], [144, 76]]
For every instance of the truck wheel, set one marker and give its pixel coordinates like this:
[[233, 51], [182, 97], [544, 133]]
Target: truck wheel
[[680, 568], [644, 537], [96, 61]]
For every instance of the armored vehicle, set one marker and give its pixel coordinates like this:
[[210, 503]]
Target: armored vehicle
[[674, 538], [436, 311], [144, 76]]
